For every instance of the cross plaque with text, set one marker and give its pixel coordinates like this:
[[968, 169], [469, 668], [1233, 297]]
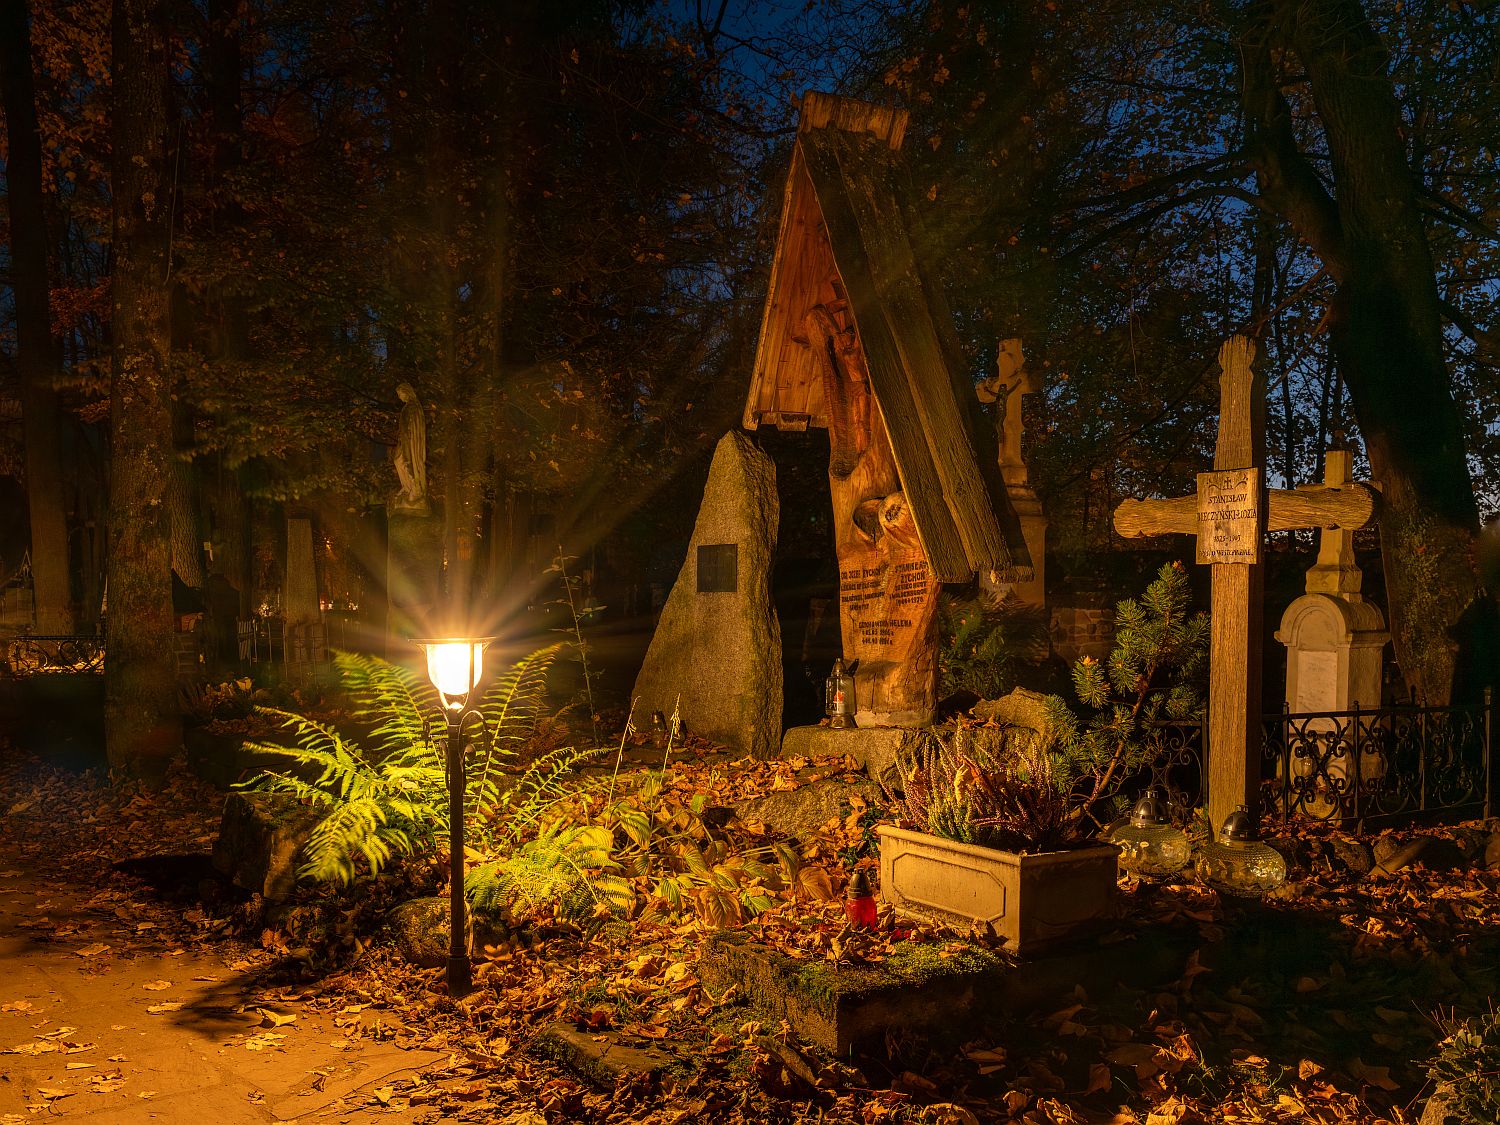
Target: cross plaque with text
[[1230, 515]]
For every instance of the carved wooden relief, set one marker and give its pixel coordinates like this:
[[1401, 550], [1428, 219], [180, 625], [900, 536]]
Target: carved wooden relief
[[887, 594]]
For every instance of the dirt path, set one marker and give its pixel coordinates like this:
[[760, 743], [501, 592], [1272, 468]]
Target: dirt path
[[104, 1018]]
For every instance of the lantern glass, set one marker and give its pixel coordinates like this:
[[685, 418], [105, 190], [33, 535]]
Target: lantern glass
[[1238, 862], [454, 666], [838, 696], [1149, 844], [1248, 869], [1151, 851]]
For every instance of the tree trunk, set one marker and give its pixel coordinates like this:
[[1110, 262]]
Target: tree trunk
[[142, 725], [37, 356], [1385, 328]]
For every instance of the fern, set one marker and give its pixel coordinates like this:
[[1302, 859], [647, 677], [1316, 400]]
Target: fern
[[375, 811], [390, 800]]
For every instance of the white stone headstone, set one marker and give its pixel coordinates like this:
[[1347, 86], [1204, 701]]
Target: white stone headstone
[[1335, 640]]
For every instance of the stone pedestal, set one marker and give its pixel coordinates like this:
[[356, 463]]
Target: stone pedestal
[[414, 556], [716, 653], [1028, 508], [1334, 649]]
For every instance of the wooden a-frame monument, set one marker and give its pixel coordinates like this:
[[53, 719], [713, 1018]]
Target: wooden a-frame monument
[[856, 338]]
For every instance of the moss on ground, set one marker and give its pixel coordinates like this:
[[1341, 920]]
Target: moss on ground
[[910, 963]]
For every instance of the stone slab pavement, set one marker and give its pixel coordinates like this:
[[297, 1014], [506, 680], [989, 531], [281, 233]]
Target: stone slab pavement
[[79, 1040]]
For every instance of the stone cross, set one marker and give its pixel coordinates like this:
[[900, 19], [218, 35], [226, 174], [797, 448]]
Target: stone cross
[[1230, 515], [1336, 571]]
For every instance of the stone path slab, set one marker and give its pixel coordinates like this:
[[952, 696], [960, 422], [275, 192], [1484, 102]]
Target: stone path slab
[[79, 1040]]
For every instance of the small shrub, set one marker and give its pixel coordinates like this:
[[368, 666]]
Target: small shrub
[[982, 641], [1468, 1062]]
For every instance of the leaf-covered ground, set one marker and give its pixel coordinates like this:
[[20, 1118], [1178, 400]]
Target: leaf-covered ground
[[1322, 1004]]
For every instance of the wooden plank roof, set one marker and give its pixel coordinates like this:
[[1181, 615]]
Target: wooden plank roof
[[845, 235]]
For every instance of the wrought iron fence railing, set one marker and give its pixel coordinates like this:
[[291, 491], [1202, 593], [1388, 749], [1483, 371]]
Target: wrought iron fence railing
[[1378, 767], [36, 654], [1373, 767]]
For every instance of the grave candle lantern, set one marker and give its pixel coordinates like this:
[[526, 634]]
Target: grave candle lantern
[[859, 902], [838, 696], [1238, 863], [1149, 844]]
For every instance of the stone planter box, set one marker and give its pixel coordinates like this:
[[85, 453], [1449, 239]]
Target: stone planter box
[[1030, 900]]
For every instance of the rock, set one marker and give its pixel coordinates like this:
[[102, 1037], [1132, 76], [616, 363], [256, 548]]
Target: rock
[[801, 811], [1293, 849], [1351, 855], [1021, 708], [1385, 847], [260, 841], [1442, 854], [1492, 851], [877, 749], [419, 927], [1440, 1109], [1395, 859], [1470, 842], [718, 643], [599, 1058]]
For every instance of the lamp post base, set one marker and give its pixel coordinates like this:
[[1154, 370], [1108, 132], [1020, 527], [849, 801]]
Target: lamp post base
[[460, 977]]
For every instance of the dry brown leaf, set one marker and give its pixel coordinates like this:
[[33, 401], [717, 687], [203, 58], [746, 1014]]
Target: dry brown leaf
[[157, 985], [167, 1006], [1373, 1075]]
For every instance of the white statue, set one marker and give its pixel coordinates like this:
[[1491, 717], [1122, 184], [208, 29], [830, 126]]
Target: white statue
[[411, 454]]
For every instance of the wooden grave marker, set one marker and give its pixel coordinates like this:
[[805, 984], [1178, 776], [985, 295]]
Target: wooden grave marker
[[1230, 514]]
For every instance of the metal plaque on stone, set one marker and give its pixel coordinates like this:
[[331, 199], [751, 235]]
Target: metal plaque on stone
[[718, 568]]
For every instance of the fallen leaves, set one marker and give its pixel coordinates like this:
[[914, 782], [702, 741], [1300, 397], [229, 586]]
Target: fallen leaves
[[165, 1006], [157, 985]]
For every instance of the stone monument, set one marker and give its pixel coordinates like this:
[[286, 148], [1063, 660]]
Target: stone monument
[[716, 654], [1335, 639], [1012, 381]]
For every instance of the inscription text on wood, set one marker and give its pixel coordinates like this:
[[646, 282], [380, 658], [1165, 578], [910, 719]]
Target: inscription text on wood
[[1229, 510]]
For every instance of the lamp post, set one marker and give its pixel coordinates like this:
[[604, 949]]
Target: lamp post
[[454, 665]]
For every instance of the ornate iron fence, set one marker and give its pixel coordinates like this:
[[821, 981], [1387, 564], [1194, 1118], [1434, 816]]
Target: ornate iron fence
[[1378, 767], [33, 655]]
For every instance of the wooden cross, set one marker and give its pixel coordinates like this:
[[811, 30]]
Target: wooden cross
[[1230, 514]]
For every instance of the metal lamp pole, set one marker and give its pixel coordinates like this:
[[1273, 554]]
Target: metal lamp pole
[[454, 667], [460, 978]]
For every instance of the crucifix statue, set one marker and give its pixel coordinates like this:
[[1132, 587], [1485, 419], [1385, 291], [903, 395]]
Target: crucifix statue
[[1007, 388], [1230, 515], [1012, 380]]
